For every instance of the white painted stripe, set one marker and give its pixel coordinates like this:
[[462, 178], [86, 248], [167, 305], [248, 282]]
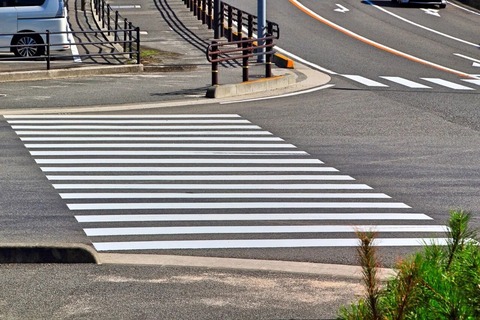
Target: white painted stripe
[[296, 93], [166, 153], [133, 127], [474, 81], [188, 169], [155, 145], [463, 8], [261, 139], [144, 32], [177, 186], [144, 133], [123, 121], [177, 161], [448, 84], [102, 232], [126, 6], [73, 46], [199, 177], [407, 83], [365, 81], [250, 217], [121, 116], [262, 243], [467, 57], [421, 26], [222, 195], [235, 205]]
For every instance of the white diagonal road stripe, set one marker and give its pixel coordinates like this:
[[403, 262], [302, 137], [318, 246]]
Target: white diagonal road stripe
[[95, 232], [235, 205], [250, 217]]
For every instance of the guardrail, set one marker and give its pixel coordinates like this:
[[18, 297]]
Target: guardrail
[[241, 49], [129, 39]]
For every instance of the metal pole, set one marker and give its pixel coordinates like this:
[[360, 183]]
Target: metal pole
[[262, 21], [214, 63], [216, 19], [245, 51], [48, 49]]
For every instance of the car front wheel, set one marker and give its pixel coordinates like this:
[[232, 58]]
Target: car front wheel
[[29, 45]]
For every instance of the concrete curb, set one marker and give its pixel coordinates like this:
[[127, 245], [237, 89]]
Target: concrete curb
[[46, 253], [68, 73], [249, 87], [332, 270], [170, 68]]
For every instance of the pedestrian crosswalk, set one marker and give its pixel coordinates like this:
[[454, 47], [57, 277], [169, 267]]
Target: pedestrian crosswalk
[[421, 83], [213, 181]]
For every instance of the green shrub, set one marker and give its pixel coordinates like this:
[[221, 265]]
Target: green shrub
[[437, 283]]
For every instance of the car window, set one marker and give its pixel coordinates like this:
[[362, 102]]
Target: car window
[[26, 3], [7, 3]]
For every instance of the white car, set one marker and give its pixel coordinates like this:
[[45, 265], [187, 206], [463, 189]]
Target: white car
[[24, 23]]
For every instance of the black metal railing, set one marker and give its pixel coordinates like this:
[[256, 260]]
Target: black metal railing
[[129, 39], [241, 49]]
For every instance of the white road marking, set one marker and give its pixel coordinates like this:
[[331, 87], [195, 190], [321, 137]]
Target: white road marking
[[432, 12], [188, 169], [468, 58], [281, 96], [405, 82], [125, 121], [102, 232], [122, 116], [474, 81], [261, 243], [201, 195], [159, 145], [173, 127], [236, 205], [166, 153], [250, 217], [200, 177], [144, 133], [448, 84], [136, 138], [73, 46], [211, 186], [421, 26], [126, 6], [341, 8], [365, 81], [177, 161], [463, 8]]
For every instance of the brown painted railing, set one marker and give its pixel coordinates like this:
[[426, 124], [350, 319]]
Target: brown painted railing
[[242, 49]]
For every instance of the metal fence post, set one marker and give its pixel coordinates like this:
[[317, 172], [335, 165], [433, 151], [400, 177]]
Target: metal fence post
[[130, 38], [221, 19], [230, 23], [204, 11], [250, 26], [125, 27], [246, 49], [116, 26], [240, 25], [137, 30], [268, 63], [109, 27], [214, 63], [103, 13], [48, 49]]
